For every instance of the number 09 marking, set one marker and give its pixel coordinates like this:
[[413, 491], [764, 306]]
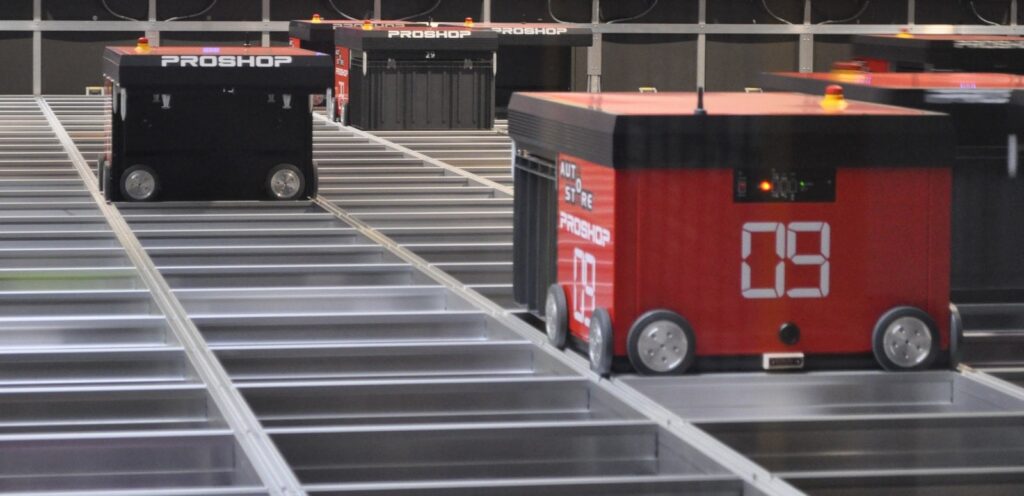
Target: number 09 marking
[[584, 288], [786, 249]]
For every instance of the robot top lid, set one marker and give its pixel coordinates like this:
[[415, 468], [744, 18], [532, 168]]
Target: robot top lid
[[949, 52], [935, 38], [416, 38], [537, 34], [323, 31], [913, 89], [661, 130], [217, 66], [983, 105]]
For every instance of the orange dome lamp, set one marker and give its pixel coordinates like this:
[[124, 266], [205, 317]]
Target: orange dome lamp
[[317, 19], [142, 46], [468, 22], [834, 100]]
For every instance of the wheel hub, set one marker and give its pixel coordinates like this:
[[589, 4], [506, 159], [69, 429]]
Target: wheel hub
[[285, 184], [662, 345], [907, 341], [140, 185], [596, 345], [552, 317]]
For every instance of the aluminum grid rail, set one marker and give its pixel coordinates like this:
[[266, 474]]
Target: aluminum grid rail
[[457, 220], [764, 416], [994, 339], [84, 121], [338, 331], [97, 394], [854, 433], [373, 376], [485, 153]]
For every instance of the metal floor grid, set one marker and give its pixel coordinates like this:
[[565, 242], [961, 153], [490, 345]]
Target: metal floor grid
[[96, 390], [377, 369], [372, 377], [486, 153], [458, 222]]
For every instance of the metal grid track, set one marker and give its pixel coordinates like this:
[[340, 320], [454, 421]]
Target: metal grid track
[[854, 433], [316, 289], [484, 153], [994, 339], [96, 391], [373, 378], [83, 120], [777, 421], [452, 218]]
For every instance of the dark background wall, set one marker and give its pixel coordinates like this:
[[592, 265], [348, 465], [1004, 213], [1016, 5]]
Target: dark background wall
[[734, 62], [16, 58], [71, 60], [16, 49], [666, 62], [16, 9]]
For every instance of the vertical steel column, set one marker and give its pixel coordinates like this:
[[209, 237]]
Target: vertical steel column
[[265, 35], [594, 52], [37, 48], [911, 12], [702, 42], [377, 9], [1013, 12], [152, 34], [485, 14], [806, 57]]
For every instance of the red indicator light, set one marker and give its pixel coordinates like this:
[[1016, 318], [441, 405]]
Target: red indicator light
[[765, 186]]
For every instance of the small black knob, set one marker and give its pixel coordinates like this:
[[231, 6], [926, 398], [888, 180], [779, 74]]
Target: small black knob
[[789, 333]]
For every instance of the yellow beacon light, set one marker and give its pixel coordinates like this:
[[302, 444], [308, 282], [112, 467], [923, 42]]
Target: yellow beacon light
[[834, 100], [142, 46]]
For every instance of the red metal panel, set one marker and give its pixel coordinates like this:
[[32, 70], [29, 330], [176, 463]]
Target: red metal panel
[[586, 239], [215, 50], [342, 65], [676, 241], [917, 80], [718, 104]]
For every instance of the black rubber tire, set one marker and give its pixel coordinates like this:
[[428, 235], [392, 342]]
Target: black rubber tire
[[601, 351], [312, 187], [100, 165], [274, 170], [956, 337], [106, 181], [633, 342], [557, 326], [878, 335], [124, 177]]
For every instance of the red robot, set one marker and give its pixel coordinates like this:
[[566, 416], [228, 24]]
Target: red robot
[[771, 230], [908, 52]]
